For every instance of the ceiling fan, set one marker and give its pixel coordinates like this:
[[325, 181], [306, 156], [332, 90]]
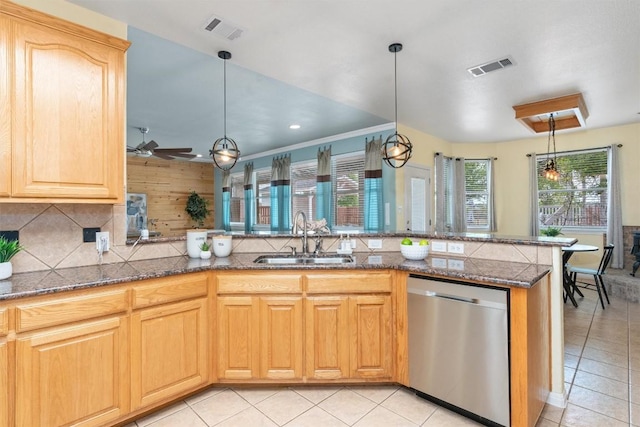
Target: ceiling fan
[[148, 149]]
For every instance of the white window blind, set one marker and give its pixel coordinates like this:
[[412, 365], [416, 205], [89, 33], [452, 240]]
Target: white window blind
[[476, 178], [347, 180], [237, 197], [303, 188], [579, 197], [262, 191]]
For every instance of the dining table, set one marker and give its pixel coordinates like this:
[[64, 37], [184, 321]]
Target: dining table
[[567, 283]]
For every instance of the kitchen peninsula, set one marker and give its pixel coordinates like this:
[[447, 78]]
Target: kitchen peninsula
[[167, 327]]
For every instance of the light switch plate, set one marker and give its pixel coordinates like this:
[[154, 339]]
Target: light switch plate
[[437, 246], [375, 244]]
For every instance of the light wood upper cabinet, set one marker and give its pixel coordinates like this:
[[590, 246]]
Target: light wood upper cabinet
[[4, 369], [5, 110], [73, 375], [67, 138]]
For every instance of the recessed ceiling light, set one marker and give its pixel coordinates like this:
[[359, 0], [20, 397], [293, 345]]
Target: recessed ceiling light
[[198, 155], [294, 126]]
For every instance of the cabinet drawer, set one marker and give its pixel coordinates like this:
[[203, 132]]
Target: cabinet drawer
[[169, 289], [256, 283], [62, 310], [347, 282], [4, 321]]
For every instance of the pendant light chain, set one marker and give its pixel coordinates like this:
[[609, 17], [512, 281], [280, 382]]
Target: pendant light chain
[[225, 151], [395, 79], [224, 95]]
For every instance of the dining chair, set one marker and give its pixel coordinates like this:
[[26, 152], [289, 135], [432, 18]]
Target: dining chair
[[596, 273]]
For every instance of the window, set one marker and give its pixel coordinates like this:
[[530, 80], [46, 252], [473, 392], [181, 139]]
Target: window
[[477, 189], [347, 179], [579, 197], [303, 188], [476, 179]]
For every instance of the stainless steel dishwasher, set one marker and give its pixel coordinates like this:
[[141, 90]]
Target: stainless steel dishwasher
[[459, 347]]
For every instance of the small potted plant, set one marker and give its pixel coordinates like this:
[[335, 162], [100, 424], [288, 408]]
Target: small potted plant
[[8, 248], [205, 250], [551, 231]]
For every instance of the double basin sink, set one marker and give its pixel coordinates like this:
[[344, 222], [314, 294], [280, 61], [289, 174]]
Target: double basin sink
[[310, 259]]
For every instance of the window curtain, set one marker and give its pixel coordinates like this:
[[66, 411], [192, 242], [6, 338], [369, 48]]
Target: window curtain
[[438, 162], [493, 225], [323, 185], [459, 197], [373, 207], [280, 193], [226, 200], [534, 223], [614, 207], [248, 197]]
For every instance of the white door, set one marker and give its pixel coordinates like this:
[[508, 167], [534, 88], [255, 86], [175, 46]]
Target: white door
[[417, 198]]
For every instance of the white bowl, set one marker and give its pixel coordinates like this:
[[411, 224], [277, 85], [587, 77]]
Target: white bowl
[[415, 251], [221, 246]]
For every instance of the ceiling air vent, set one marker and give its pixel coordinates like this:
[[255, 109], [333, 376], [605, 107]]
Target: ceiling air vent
[[481, 70], [222, 28]]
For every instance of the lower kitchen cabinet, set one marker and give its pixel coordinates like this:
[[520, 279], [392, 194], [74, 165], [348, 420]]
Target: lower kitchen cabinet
[[169, 351], [327, 337], [4, 369], [371, 336], [73, 375], [260, 337]]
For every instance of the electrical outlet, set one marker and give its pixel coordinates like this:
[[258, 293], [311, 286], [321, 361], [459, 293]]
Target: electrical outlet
[[374, 244], [455, 248], [438, 246], [89, 234], [374, 259], [102, 241]]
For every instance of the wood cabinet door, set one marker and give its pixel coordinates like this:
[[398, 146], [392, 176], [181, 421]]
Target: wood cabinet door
[[169, 351], [327, 337], [4, 383], [238, 337], [68, 116], [371, 336], [281, 338], [5, 109], [73, 375]]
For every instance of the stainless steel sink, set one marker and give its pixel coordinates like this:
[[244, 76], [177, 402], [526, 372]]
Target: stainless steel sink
[[304, 259]]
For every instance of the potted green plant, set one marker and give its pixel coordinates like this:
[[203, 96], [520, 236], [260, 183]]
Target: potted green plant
[[197, 208], [8, 249], [205, 250], [551, 231]]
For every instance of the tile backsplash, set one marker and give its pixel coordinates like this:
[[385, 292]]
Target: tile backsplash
[[52, 237]]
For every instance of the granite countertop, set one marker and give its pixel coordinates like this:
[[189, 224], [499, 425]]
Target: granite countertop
[[53, 281]]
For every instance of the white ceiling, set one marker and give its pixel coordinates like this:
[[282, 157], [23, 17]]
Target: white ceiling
[[325, 64]]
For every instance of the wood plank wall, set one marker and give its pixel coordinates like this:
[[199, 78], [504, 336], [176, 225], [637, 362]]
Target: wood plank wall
[[167, 184]]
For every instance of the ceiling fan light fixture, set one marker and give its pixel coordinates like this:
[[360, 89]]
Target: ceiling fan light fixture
[[397, 149], [225, 151]]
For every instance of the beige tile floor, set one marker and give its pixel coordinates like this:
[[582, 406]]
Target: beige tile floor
[[602, 375]]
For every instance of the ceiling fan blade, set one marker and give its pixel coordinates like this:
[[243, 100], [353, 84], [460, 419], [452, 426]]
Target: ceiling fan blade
[[163, 156], [130, 149], [184, 155], [149, 145], [175, 150]]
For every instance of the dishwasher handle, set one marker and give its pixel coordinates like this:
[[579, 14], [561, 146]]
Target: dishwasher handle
[[457, 298]]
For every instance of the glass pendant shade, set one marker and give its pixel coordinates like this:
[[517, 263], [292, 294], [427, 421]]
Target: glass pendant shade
[[396, 150], [551, 166], [225, 151]]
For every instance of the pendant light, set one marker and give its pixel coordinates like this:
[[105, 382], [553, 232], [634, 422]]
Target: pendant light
[[551, 166], [225, 151], [396, 150]]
